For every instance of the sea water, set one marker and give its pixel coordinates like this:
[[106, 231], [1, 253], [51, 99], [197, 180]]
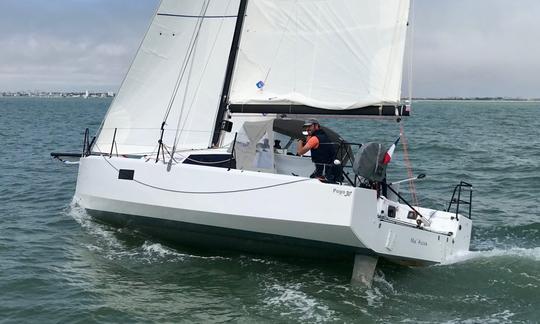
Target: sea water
[[59, 265]]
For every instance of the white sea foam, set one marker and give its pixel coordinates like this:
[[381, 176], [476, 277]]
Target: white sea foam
[[533, 254], [380, 279], [80, 216], [292, 302], [501, 317], [375, 295], [106, 243], [151, 248], [263, 261], [157, 250], [112, 248]]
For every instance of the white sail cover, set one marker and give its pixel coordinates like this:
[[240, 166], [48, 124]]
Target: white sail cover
[[180, 67], [333, 54]]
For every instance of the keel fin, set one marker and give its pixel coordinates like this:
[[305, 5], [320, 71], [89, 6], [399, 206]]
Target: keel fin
[[363, 270]]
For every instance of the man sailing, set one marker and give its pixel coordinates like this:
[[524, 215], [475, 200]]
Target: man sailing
[[322, 149]]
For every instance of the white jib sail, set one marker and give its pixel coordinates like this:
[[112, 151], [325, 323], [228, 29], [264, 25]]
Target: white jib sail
[[177, 76], [333, 54]]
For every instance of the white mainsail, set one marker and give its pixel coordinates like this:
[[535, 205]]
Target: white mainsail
[[178, 71], [333, 54]]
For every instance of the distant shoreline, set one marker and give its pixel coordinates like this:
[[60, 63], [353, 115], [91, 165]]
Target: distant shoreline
[[479, 100], [486, 99], [105, 95], [57, 94], [56, 97]]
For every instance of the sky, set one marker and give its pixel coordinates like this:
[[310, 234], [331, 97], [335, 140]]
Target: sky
[[463, 48]]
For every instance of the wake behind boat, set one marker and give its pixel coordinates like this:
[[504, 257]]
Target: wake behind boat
[[200, 144]]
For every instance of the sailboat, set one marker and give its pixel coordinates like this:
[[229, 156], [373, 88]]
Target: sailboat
[[198, 146]]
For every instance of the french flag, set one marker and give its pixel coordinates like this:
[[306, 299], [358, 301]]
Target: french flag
[[390, 152]]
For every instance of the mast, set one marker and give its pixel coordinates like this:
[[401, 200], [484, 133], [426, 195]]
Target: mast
[[228, 74]]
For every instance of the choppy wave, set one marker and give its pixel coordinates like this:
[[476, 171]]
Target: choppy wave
[[504, 316], [505, 236], [522, 253], [293, 303], [111, 247], [105, 234], [61, 265]]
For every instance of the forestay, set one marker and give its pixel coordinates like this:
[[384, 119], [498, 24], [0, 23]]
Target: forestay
[[333, 54], [176, 76]]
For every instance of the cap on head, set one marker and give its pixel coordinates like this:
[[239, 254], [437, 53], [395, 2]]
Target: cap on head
[[310, 122]]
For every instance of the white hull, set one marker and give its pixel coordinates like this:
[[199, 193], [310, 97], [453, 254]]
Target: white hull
[[269, 208]]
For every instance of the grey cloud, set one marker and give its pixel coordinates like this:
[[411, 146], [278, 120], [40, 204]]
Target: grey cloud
[[69, 45], [477, 48], [461, 47]]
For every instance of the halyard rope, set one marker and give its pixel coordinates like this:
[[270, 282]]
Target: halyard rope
[[180, 129], [408, 165], [183, 67]]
